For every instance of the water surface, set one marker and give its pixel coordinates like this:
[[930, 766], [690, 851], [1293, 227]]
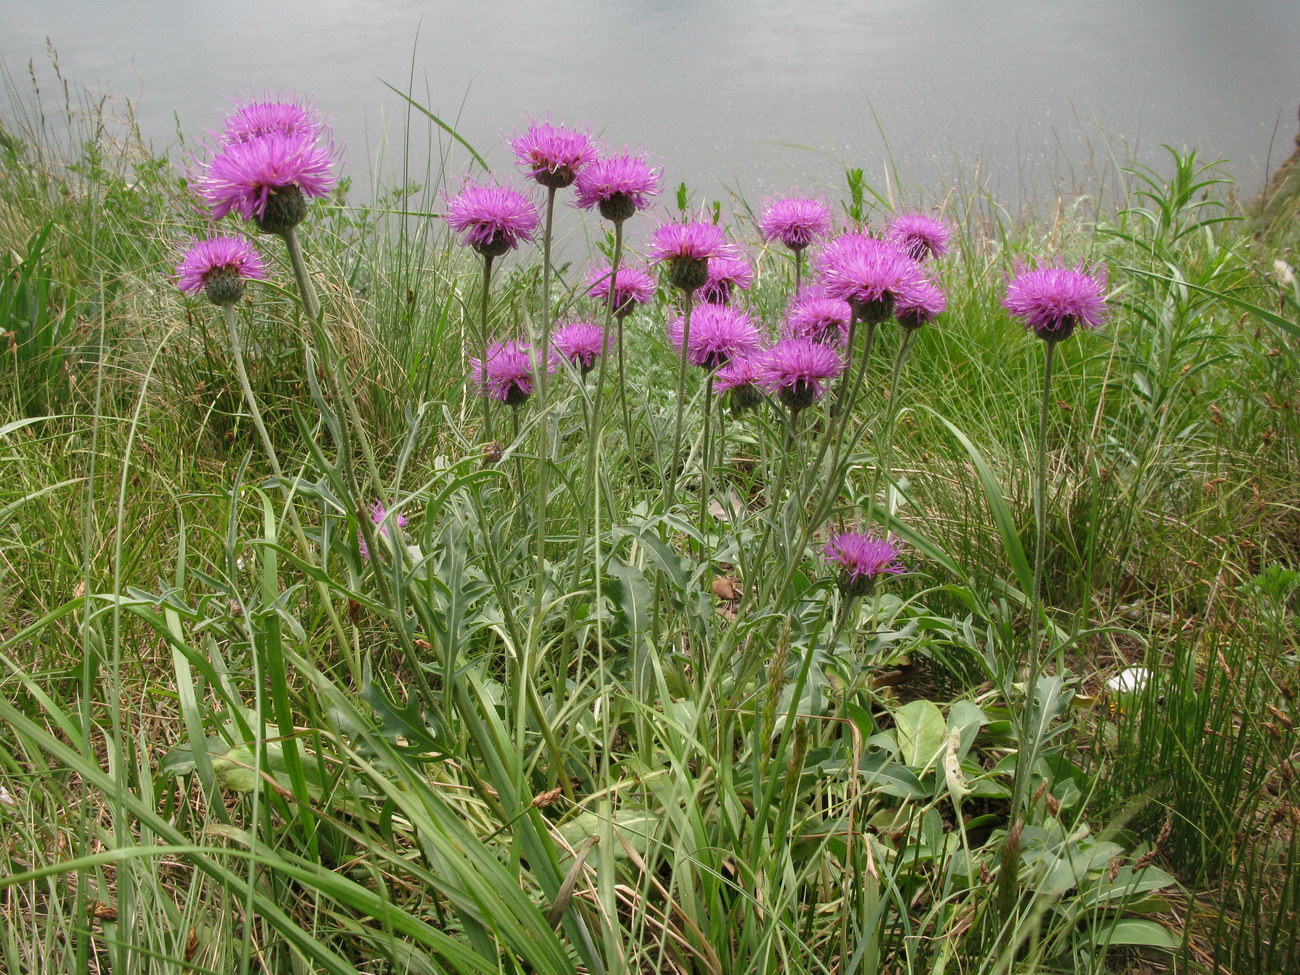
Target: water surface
[[1024, 96]]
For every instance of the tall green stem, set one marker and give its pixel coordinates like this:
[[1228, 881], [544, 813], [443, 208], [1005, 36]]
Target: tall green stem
[[681, 387], [883, 457], [1028, 745], [706, 468], [341, 395], [305, 288], [483, 346], [547, 322]]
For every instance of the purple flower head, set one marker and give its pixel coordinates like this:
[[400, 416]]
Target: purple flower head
[[219, 266], [285, 114], [871, 275], [491, 219], [742, 377], [507, 375], [861, 560], [378, 514], [632, 286], [267, 179], [618, 186], [553, 154], [794, 221], [1054, 300], [921, 237], [727, 272], [919, 306], [581, 343], [718, 335], [687, 248], [796, 371], [812, 315]]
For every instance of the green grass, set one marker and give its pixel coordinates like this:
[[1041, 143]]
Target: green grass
[[232, 744]]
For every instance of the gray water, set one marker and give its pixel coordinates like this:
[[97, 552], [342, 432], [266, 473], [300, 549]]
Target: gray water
[[1023, 97]]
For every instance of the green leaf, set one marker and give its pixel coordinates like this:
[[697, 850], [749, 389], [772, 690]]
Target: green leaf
[[234, 770], [886, 776], [920, 729], [1137, 931]]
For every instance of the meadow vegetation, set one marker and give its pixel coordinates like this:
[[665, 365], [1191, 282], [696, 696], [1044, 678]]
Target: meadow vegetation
[[566, 701]]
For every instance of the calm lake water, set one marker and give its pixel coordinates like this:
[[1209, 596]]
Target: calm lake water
[[1023, 96]]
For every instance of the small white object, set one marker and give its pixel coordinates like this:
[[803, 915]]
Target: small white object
[[7, 799], [1284, 273], [1128, 681]]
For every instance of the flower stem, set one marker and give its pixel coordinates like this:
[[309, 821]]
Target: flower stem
[[547, 323], [1027, 748], [887, 436], [681, 386], [309, 301], [706, 469], [483, 346]]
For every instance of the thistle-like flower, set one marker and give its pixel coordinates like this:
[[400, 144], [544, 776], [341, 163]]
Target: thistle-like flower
[[632, 286], [553, 155], [378, 514], [1053, 300], [491, 219], [687, 249], [795, 222], [921, 237], [729, 271], [267, 179], [812, 315], [718, 335], [507, 374], [796, 371], [871, 275], [219, 266], [582, 343], [919, 306], [861, 560], [286, 115], [741, 376], [618, 186]]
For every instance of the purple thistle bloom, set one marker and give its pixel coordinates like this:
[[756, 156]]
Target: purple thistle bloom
[[921, 237], [794, 221], [814, 316], [727, 272], [632, 286], [1054, 300], [871, 275], [718, 335], [552, 154], [507, 376], [920, 306], [742, 377], [581, 343], [219, 265], [687, 248], [267, 179], [861, 560], [377, 514], [256, 118], [618, 186], [491, 219], [796, 369]]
